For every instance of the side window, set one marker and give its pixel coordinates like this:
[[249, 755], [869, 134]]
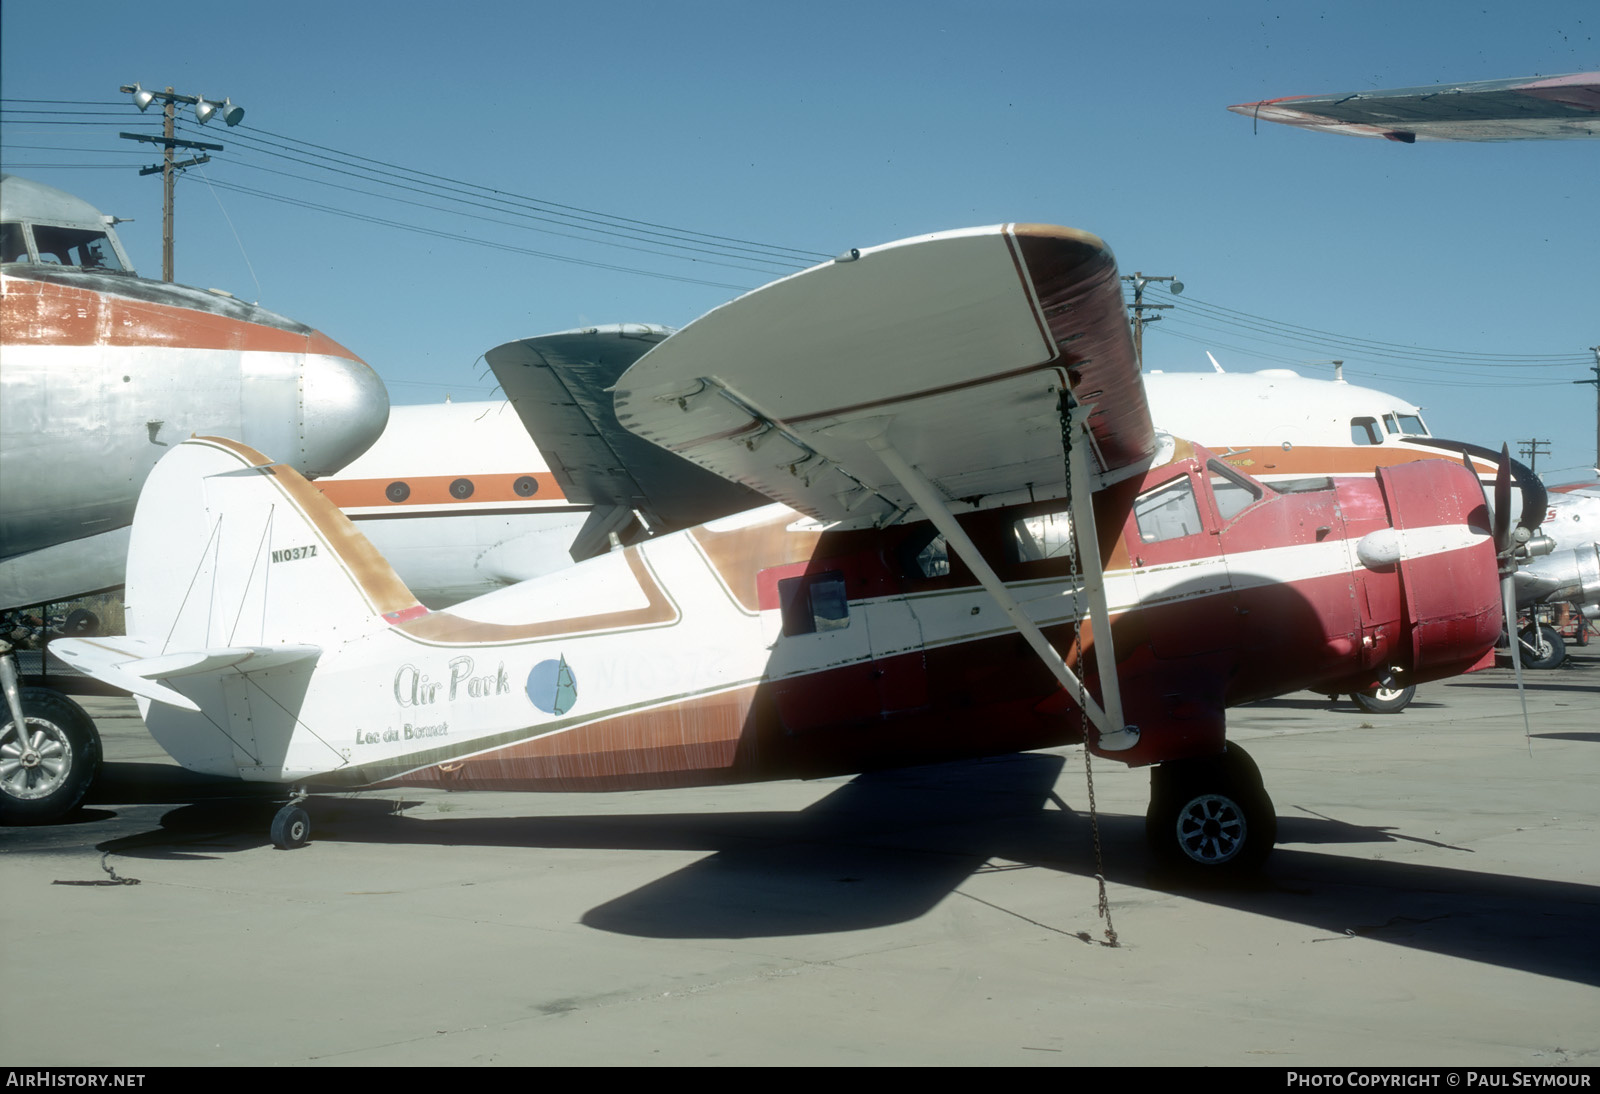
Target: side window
[[1365, 431], [925, 555], [1390, 424], [813, 603], [1234, 495], [1167, 512], [1043, 536]]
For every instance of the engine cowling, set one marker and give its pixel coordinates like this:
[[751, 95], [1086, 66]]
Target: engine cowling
[[1442, 547]]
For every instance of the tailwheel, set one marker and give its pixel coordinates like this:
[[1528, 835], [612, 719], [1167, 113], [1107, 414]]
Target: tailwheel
[[1211, 815], [291, 827]]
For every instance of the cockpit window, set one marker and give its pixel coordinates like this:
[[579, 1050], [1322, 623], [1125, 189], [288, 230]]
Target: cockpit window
[[13, 247], [1167, 512], [925, 554], [81, 247], [1234, 493], [814, 602], [1365, 431], [1043, 536], [1411, 425]]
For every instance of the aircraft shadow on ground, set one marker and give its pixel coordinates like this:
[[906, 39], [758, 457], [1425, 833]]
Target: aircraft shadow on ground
[[1539, 687], [887, 848], [1340, 705]]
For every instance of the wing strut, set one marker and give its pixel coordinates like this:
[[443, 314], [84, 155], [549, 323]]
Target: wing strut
[[1115, 736], [1088, 536]]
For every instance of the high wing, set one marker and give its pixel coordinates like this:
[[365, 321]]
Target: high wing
[[560, 385], [1548, 108], [954, 350]]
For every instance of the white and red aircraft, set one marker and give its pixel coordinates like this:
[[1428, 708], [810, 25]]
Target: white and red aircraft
[[982, 546]]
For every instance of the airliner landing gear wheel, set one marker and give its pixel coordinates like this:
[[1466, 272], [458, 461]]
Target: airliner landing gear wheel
[[291, 828], [1211, 816], [1382, 700], [47, 766], [1541, 647]]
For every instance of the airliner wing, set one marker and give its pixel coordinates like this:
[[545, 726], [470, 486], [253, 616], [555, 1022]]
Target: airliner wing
[[955, 349], [1549, 108], [560, 385]]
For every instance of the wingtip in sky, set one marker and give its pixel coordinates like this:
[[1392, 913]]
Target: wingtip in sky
[[1525, 108]]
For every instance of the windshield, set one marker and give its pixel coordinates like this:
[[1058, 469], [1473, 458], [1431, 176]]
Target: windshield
[[82, 247]]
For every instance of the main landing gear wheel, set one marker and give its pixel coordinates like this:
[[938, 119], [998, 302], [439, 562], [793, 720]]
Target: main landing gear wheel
[[1382, 700], [1211, 816], [291, 828], [1541, 647], [46, 767]]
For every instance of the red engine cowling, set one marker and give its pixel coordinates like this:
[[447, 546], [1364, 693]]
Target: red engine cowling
[[1441, 545]]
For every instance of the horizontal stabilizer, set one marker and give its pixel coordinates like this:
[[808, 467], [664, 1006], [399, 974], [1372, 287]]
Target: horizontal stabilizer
[[135, 665]]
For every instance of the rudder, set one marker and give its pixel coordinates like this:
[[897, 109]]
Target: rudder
[[230, 549]]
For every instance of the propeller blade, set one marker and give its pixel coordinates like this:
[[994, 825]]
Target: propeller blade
[[1508, 597], [1535, 499], [1502, 502]]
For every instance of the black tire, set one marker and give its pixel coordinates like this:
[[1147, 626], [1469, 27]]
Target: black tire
[[1549, 648], [1211, 816], [45, 774], [291, 828], [1382, 700]]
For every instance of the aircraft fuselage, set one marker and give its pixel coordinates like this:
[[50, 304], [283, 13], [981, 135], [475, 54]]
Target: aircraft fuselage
[[764, 646]]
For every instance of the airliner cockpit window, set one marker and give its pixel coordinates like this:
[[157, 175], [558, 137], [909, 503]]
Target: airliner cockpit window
[[13, 247], [1412, 426], [1167, 512], [1365, 431], [82, 247]]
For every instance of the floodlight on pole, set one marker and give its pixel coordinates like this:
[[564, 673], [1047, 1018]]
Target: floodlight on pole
[[1139, 307], [204, 110]]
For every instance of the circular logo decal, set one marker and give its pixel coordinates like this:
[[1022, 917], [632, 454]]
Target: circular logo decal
[[552, 687]]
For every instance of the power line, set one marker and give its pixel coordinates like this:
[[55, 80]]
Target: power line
[[1313, 336], [1192, 319]]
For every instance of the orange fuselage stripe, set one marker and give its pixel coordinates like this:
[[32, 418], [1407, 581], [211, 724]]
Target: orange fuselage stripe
[[42, 313]]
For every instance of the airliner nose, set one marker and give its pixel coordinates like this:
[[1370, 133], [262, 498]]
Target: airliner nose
[[315, 410], [343, 408]]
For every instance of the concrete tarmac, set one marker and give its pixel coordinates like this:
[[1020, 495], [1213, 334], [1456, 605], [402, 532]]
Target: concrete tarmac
[[1434, 899]]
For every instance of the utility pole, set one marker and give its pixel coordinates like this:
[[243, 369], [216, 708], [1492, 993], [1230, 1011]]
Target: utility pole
[[1139, 307], [204, 109], [1533, 451], [1596, 383]]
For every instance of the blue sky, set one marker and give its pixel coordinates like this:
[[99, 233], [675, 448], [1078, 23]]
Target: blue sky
[[828, 125]]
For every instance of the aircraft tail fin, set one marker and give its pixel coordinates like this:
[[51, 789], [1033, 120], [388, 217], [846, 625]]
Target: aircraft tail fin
[[233, 554]]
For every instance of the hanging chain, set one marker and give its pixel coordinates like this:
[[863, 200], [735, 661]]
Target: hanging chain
[[1067, 440]]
